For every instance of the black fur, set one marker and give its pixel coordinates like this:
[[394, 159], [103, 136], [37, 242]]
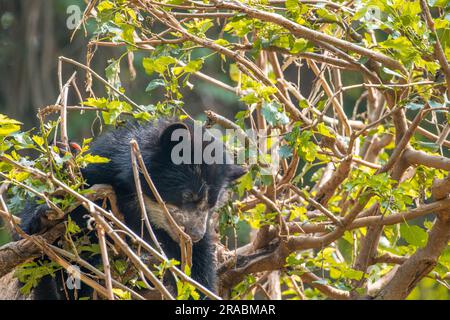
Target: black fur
[[172, 181]]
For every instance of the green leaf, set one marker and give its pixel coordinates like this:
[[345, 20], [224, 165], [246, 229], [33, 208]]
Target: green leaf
[[414, 235], [292, 5], [84, 160], [323, 130], [429, 146], [274, 114], [222, 42], [285, 151], [435, 104], [193, 66], [155, 84], [404, 50], [300, 45], [114, 107], [72, 227], [327, 15], [240, 27], [353, 274], [96, 103], [8, 126], [127, 32], [303, 103], [414, 106], [391, 72], [199, 27], [123, 295], [158, 65], [445, 258], [245, 183], [299, 213], [105, 5], [95, 159], [30, 273], [250, 98], [177, 70], [321, 281], [144, 116], [438, 3], [39, 140]]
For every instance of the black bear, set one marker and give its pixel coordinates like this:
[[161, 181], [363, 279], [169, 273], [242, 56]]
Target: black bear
[[191, 190]]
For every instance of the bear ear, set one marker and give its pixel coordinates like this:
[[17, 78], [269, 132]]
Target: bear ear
[[174, 134], [234, 172], [168, 141]]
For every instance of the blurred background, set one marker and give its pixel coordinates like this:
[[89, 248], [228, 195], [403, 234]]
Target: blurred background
[[33, 34]]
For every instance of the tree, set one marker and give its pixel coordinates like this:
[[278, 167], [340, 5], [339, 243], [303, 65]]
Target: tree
[[359, 206]]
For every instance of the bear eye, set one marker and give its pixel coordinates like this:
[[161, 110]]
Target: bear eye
[[187, 196]]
